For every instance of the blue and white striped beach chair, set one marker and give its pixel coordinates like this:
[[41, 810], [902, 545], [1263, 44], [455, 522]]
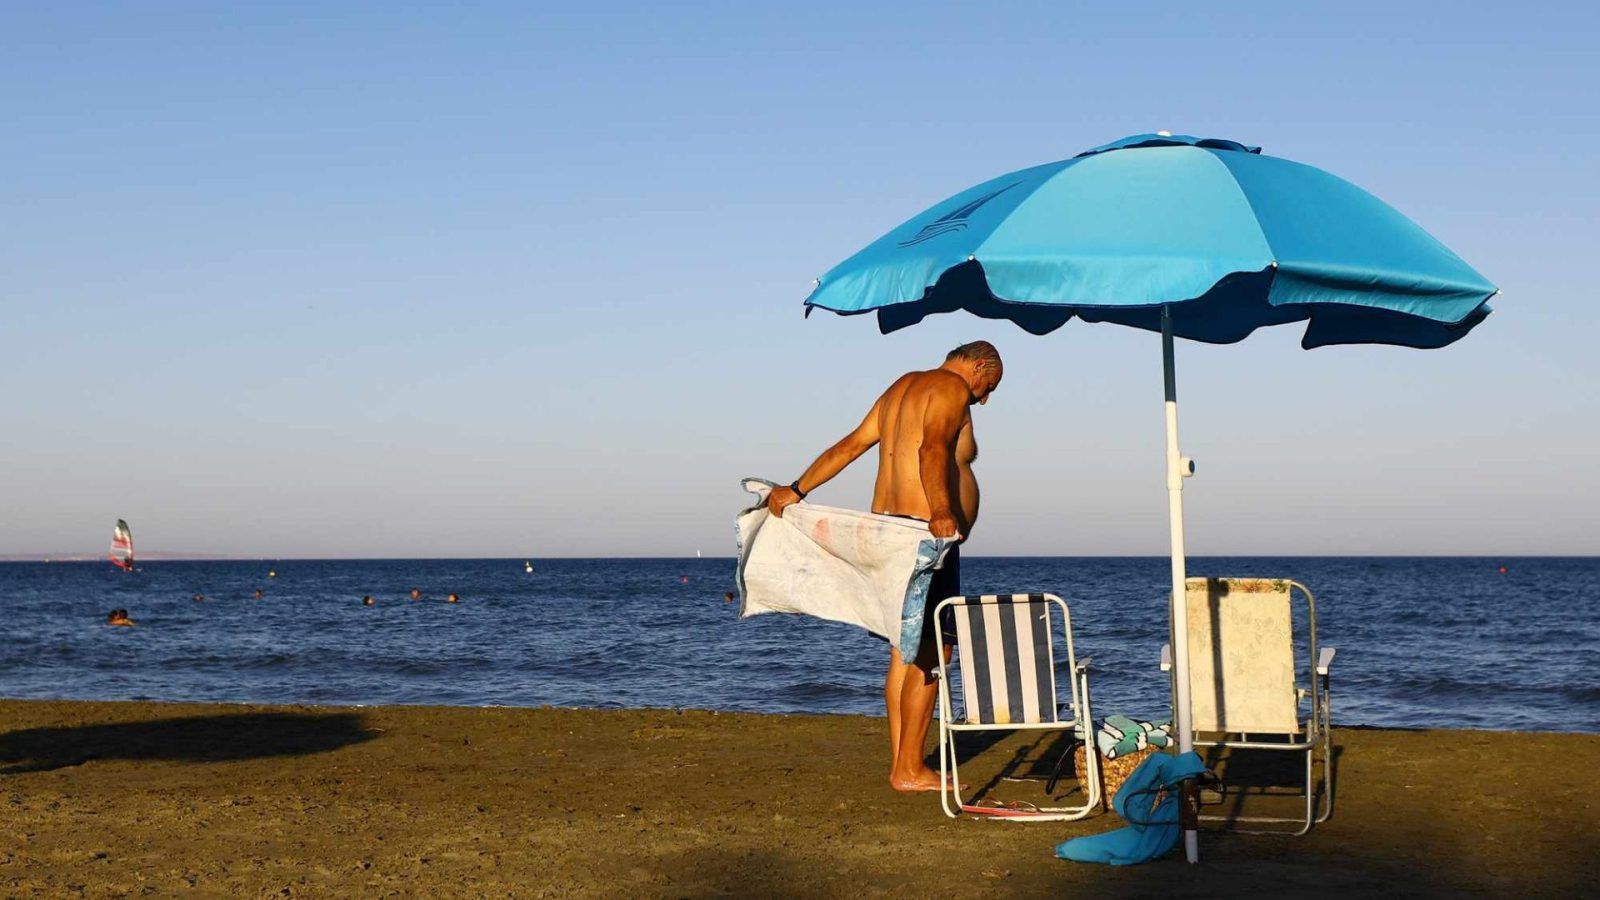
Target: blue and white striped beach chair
[[1005, 652]]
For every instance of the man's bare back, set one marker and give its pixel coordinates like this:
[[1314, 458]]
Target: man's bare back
[[903, 413], [922, 426]]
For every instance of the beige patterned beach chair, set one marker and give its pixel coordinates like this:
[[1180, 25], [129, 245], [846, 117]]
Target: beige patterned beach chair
[[1005, 650], [1245, 691]]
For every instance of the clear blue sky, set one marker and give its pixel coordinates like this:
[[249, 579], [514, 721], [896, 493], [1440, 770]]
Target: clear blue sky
[[525, 279]]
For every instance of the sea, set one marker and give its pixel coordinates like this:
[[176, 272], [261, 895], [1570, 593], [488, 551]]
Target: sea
[[1427, 642]]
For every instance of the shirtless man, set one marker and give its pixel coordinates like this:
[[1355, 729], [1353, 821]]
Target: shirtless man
[[923, 427]]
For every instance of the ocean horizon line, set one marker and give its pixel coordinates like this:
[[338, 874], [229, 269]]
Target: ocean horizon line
[[223, 557]]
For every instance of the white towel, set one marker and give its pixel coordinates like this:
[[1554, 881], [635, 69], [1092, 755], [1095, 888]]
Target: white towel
[[838, 564]]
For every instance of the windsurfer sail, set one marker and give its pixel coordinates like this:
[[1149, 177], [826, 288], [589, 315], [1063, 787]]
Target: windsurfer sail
[[122, 547]]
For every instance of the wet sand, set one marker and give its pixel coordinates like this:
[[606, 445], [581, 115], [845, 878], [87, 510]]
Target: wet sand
[[109, 799]]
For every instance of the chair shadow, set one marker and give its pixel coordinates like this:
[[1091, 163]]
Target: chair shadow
[[1266, 775], [1043, 758], [969, 745], [1055, 763], [1260, 774], [206, 739]]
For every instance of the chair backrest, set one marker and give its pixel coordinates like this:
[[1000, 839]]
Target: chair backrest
[[1241, 656], [1007, 657]]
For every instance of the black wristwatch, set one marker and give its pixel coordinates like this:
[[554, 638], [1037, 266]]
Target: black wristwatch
[[795, 486]]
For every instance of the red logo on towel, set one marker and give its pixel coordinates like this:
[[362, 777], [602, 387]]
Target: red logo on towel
[[820, 532]]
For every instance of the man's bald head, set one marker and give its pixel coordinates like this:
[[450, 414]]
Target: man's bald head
[[975, 352], [978, 363]]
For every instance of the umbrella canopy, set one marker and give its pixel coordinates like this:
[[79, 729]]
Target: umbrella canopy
[[1198, 238], [1230, 240]]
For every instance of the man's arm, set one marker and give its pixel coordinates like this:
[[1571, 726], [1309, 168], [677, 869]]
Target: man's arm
[[830, 463], [941, 423]]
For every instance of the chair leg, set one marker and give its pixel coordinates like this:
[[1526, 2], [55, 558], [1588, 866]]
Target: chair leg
[[946, 746], [1311, 791], [1091, 752], [1327, 754], [1327, 776]]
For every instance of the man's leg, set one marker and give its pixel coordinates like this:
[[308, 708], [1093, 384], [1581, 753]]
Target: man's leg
[[918, 691], [891, 701]]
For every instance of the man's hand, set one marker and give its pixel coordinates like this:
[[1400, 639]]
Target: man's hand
[[943, 525], [781, 497]]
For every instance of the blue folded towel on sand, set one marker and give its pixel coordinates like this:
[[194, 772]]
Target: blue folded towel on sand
[[1152, 826]]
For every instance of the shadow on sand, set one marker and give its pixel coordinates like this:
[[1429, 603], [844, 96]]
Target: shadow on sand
[[219, 738], [1261, 774]]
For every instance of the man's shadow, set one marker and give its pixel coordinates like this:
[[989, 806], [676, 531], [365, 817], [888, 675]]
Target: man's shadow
[[217, 738]]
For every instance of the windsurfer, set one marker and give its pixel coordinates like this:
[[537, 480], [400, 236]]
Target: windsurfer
[[122, 547]]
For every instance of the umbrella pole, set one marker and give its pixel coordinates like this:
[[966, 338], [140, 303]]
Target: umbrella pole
[[1178, 468]]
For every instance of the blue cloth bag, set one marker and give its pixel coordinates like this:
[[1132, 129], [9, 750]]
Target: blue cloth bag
[[1151, 832]]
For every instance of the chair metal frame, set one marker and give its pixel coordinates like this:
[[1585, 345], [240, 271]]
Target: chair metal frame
[[949, 774], [1316, 733]]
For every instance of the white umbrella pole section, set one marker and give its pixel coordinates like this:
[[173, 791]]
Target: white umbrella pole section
[[1179, 467]]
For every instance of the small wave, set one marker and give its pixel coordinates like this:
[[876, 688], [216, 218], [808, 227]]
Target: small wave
[[819, 691], [1585, 696]]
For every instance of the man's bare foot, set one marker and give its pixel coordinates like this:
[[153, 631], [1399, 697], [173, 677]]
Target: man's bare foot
[[925, 780]]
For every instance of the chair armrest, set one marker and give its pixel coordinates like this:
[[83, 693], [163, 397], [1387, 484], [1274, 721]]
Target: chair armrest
[[1325, 659], [1166, 657], [1083, 666]]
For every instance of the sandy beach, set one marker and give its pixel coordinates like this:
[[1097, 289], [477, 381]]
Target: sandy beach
[[108, 799]]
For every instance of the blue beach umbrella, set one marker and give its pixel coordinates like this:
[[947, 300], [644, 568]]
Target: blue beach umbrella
[[1196, 238]]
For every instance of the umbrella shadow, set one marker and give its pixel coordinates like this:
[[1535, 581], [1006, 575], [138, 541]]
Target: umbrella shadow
[[205, 739]]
